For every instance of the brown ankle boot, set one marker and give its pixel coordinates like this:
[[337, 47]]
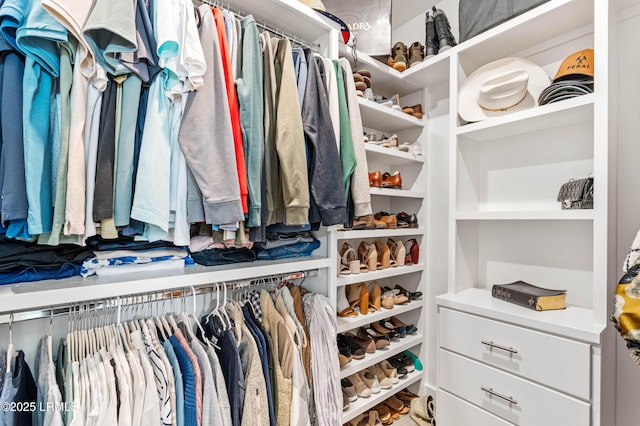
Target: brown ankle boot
[[398, 58], [416, 53]]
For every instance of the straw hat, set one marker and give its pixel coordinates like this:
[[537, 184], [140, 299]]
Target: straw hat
[[501, 87]]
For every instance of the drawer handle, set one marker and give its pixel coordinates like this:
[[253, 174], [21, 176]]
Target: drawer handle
[[504, 348], [494, 393]]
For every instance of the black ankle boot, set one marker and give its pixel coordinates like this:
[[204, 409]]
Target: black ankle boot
[[431, 42], [446, 40]]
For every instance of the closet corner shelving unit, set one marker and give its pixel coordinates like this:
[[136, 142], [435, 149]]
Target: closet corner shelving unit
[[523, 366], [383, 120]]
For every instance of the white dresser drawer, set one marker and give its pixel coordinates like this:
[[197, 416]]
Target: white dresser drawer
[[532, 404], [556, 362], [453, 411]]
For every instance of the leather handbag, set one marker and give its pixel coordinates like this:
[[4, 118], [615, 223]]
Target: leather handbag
[[576, 194]]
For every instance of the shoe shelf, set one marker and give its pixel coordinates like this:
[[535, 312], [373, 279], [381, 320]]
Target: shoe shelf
[[380, 233], [385, 80], [394, 348], [586, 214], [391, 156], [23, 296], [387, 192], [575, 110], [361, 405], [350, 323], [379, 274], [386, 119]]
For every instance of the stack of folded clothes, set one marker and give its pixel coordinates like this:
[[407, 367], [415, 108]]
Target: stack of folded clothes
[[221, 247], [24, 261], [283, 245], [125, 255]]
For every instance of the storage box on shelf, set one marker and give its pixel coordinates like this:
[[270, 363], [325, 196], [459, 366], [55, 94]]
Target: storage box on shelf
[[506, 225]]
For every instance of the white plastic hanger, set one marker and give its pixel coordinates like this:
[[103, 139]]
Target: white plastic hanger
[[10, 350]]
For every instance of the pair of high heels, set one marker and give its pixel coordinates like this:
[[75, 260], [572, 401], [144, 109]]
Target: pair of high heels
[[352, 262]]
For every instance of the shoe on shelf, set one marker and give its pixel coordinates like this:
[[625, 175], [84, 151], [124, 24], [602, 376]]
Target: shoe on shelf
[[413, 252], [409, 328], [383, 381], [365, 342], [431, 40], [370, 380], [356, 351], [393, 181], [358, 297], [380, 340], [400, 330], [374, 296], [364, 223], [349, 263], [345, 402], [348, 389], [398, 59], [368, 257], [395, 102], [412, 295], [364, 73], [384, 255], [368, 94], [389, 219], [416, 53], [398, 252], [382, 101], [390, 371], [390, 142], [392, 335], [374, 419], [415, 148], [414, 358], [375, 179], [410, 219], [383, 413], [445, 38], [344, 352], [362, 390]]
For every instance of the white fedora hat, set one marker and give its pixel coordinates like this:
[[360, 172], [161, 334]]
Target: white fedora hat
[[501, 87]]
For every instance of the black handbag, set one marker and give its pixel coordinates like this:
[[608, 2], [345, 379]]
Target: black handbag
[[576, 194]]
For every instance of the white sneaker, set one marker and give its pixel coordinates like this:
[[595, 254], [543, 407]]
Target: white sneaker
[[415, 148], [368, 94]]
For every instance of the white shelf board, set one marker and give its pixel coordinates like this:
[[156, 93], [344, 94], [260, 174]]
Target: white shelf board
[[301, 20], [575, 110], [574, 322], [361, 405], [431, 72], [391, 156], [350, 323], [543, 23], [380, 355], [379, 274], [43, 294], [385, 119], [586, 214], [384, 79], [388, 192], [380, 233]]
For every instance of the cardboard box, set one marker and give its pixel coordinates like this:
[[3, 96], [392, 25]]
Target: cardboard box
[[368, 20]]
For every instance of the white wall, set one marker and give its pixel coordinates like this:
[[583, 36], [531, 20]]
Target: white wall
[[628, 374]]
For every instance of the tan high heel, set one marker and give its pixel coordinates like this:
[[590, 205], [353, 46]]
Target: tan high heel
[[358, 297], [384, 255], [374, 296], [398, 252], [368, 257], [349, 263]]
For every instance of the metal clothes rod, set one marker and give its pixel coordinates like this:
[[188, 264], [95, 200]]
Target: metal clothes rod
[[266, 27], [149, 297]]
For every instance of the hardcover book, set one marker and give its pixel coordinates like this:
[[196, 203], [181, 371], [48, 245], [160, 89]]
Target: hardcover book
[[530, 296]]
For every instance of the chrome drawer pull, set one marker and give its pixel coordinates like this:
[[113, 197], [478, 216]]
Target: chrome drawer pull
[[504, 348], [506, 398]]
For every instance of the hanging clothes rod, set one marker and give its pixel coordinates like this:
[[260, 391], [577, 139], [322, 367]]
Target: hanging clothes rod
[[266, 27], [150, 297]]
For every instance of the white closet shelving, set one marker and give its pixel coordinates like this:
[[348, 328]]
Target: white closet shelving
[[505, 225], [383, 120]]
